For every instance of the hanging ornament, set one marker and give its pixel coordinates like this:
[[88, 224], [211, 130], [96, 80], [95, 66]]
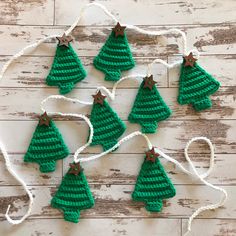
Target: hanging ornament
[[66, 69], [46, 146], [153, 184], [149, 107], [195, 85], [115, 55], [73, 194], [108, 127]]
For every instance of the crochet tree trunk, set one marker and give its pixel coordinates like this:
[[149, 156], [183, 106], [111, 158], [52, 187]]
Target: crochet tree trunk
[[195, 87], [152, 186], [66, 69], [114, 57], [148, 109], [73, 196], [108, 127], [46, 147]]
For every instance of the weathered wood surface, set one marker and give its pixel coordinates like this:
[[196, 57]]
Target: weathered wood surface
[[114, 201], [121, 169], [172, 136], [210, 27]]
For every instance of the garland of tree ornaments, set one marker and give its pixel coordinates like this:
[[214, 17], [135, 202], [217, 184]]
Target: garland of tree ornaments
[[47, 145]]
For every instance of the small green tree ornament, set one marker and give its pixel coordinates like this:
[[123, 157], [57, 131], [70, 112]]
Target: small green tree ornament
[[73, 194], [149, 107], [66, 69], [46, 145], [115, 55], [108, 127], [153, 184], [195, 85]]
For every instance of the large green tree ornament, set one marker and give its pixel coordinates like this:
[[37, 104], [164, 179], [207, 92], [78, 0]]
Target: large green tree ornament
[[195, 85], [107, 125], [66, 69], [46, 146], [149, 108], [153, 185], [115, 55], [73, 194]]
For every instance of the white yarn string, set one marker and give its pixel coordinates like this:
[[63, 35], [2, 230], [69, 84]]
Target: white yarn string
[[80, 149], [126, 138], [105, 10], [13, 173], [194, 172]]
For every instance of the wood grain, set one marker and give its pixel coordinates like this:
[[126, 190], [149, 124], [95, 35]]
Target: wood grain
[[116, 227], [209, 39], [210, 27], [172, 136], [114, 201]]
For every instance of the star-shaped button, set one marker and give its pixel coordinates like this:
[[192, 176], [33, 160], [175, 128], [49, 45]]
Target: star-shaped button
[[64, 40], [151, 155], [44, 119], [119, 30], [149, 82], [75, 168], [190, 60], [99, 98]]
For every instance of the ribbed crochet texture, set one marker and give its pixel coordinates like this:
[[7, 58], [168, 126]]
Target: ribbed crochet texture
[[66, 69], [195, 86], [152, 186], [115, 56], [108, 127], [148, 109], [46, 147], [73, 196]]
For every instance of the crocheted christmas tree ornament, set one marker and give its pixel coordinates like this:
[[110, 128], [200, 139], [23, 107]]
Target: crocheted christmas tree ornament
[[66, 69], [115, 55], [73, 194], [108, 127], [153, 184], [149, 107], [46, 146], [195, 85]]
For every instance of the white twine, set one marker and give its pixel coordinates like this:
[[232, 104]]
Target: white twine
[[194, 171], [13, 173], [105, 10]]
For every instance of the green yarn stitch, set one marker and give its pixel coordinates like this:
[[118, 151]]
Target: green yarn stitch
[[66, 70], [46, 147], [73, 196], [108, 127], [114, 57], [195, 86], [152, 186], [148, 109]]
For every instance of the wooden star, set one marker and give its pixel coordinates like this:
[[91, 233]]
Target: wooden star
[[75, 168], [189, 60], [44, 119], [149, 82], [151, 155], [99, 98], [119, 30], [64, 40]]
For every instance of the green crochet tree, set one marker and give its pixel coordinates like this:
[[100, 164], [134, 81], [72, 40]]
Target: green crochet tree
[[108, 127], [149, 107], [115, 55], [73, 194], [66, 69], [153, 184], [46, 146], [195, 85]]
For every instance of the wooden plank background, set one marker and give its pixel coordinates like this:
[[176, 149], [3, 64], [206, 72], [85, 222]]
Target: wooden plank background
[[210, 27]]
